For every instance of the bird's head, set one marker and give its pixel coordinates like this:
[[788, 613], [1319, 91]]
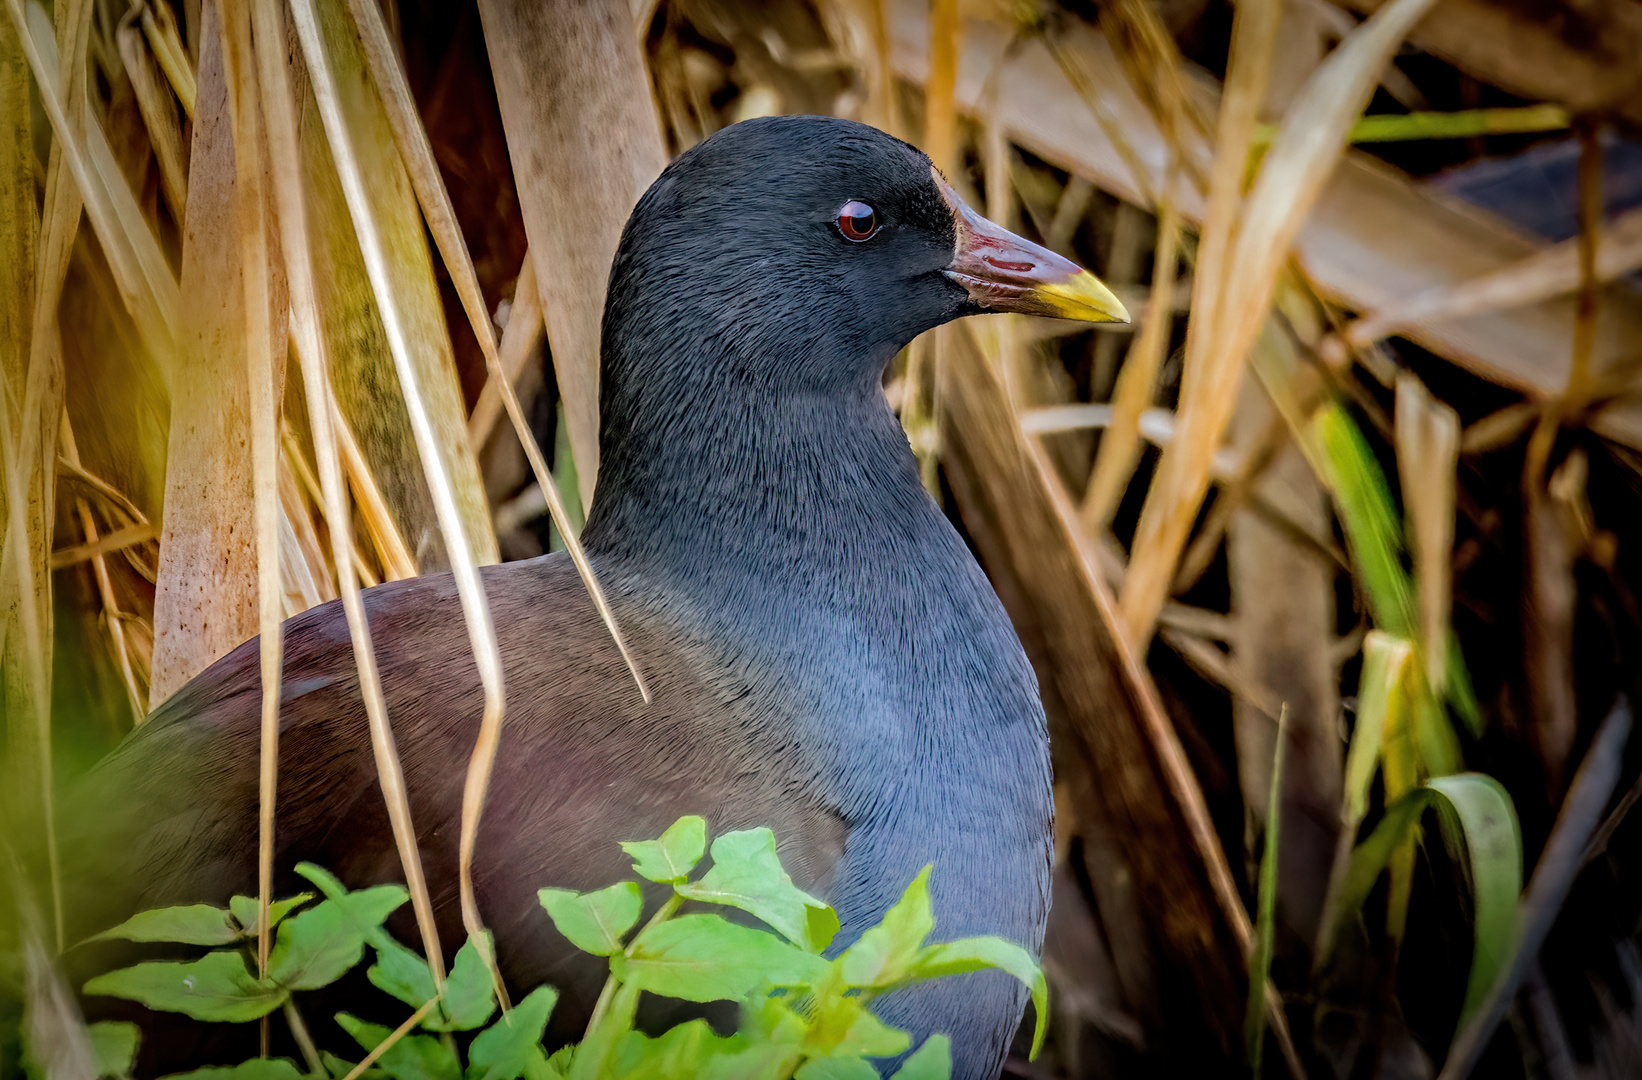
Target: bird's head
[[800, 253]]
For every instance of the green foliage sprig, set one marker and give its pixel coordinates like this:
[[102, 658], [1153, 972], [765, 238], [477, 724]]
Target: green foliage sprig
[[802, 1015]]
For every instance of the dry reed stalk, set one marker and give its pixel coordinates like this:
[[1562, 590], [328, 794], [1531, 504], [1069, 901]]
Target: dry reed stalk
[[157, 105], [940, 117], [263, 335], [413, 367], [520, 337], [105, 586], [160, 28], [269, 37], [1245, 244], [392, 552], [1551, 271], [1136, 382], [205, 601], [1428, 452], [585, 142]]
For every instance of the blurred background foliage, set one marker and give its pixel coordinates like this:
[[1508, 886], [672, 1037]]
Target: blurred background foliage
[[1327, 564]]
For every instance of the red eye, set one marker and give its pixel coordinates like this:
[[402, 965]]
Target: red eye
[[857, 221]]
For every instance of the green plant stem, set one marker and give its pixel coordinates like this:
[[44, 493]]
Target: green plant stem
[[613, 1012], [304, 1041]]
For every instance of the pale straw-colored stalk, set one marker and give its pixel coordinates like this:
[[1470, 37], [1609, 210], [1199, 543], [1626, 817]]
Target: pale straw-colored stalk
[[284, 156]]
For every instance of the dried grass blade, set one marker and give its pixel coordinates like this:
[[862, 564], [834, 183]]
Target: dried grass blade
[[417, 153], [155, 103], [397, 321], [524, 331], [1550, 272], [113, 617], [153, 312], [30, 405], [1136, 383], [160, 27], [205, 598], [395, 556], [585, 141], [1239, 261], [268, 34], [244, 111], [1428, 452]]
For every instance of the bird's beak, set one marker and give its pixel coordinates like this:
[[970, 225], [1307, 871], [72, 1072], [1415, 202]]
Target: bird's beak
[[1004, 272]]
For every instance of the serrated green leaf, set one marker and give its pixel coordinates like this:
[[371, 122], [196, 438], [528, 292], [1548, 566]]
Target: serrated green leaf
[[931, 1061], [679, 1054], [747, 874], [505, 1049], [978, 953], [836, 1067], [320, 945], [244, 910], [1480, 823], [844, 1025], [190, 924], [255, 1069], [705, 958], [885, 952], [412, 1057], [469, 993], [400, 972], [113, 1046], [595, 922], [671, 857], [754, 1063], [216, 987]]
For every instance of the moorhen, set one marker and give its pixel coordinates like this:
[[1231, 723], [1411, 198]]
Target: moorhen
[[826, 657]]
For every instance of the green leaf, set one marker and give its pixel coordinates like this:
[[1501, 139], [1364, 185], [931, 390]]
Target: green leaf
[[705, 958], [1368, 861], [505, 1049], [1379, 690], [1479, 820], [191, 924], [469, 993], [978, 953], [216, 987], [255, 1069], [113, 1046], [244, 910], [318, 947], [595, 922], [836, 1067], [1254, 1017], [884, 954], [674, 855], [401, 972], [769, 1019], [413, 1057], [678, 1054], [931, 1061], [844, 1025], [747, 874], [754, 1063], [1374, 534], [338, 1068]]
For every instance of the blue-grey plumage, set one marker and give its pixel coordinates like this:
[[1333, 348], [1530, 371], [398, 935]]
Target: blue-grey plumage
[[827, 659]]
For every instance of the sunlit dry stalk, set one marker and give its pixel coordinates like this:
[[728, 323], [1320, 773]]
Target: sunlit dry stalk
[[284, 156], [391, 549], [1245, 244], [1428, 452], [1136, 382], [244, 111], [940, 110], [523, 332], [140, 270], [105, 585], [1548, 272], [1072, 66], [1151, 60], [392, 1039], [160, 28], [158, 113]]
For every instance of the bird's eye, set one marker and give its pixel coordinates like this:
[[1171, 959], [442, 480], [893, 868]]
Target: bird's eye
[[857, 221]]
